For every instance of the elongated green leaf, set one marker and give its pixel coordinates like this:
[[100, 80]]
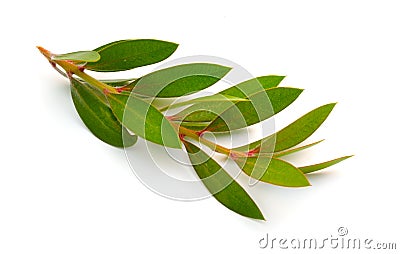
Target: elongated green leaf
[[252, 86], [111, 44], [179, 80], [144, 120], [293, 134], [227, 116], [80, 56], [117, 82], [219, 183], [111, 82], [294, 150], [202, 112], [128, 54], [201, 125], [206, 100], [261, 106], [95, 113], [319, 166], [205, 111], [272, 170]]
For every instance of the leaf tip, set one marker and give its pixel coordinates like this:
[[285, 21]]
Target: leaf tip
[[44, 51], [333, 104], [261, 217]]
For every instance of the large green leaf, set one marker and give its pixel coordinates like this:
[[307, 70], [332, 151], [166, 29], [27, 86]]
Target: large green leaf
[[261, 106], [252, 86], [319, 166], [219, 183], [128, 54], [271, 170], [80, 56], [144, 120], [95, 113], [293, 134], [179, 80]]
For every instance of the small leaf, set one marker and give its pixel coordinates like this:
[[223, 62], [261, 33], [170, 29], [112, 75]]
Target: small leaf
[[220, 184], [144, 120], [271, 170], [95, 113], [179, 80], [80, 56], [261, 106], [316, 167], [297, 149], [128, 54], [252, 86]]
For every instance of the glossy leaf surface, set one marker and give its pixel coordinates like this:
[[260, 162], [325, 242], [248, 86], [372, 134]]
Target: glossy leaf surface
[[128, 54], [219, 183], [319, 166], [261, 106], [226, 116], [271, 170], [144, 120], [252, 86], [80, 56], [211, 99], [295, 150], [295, 133], [95, 113], [179, 80]]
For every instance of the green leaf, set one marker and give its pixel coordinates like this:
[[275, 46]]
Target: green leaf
[[128, 54], [144, 120], [111, 82], [271, 170], [293, 134], [117, 82], [206, 111], [244, 90], [203, 112], [220, 184], [179, 80], [316, 167], [80, 56], [294, 150], [205, 99], [201, 125], [252, 86], [261, 106], [227, 115], [95, 113]]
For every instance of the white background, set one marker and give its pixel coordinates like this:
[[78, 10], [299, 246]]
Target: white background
[[63, 191]]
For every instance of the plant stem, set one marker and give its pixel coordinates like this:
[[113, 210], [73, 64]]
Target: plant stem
[[71, 68], [215, 147]]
